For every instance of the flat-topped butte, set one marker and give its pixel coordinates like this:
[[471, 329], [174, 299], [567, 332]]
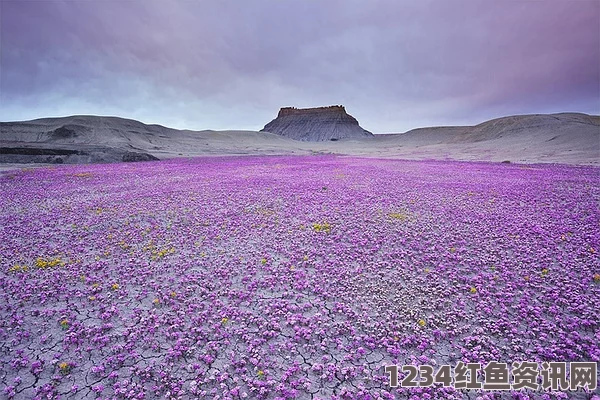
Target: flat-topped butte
[[296, 111], [316, 124]]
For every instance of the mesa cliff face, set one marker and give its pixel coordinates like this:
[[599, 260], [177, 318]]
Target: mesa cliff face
[[316, 124]]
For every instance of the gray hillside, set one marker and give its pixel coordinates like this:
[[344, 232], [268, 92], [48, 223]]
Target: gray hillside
[[568, 138]]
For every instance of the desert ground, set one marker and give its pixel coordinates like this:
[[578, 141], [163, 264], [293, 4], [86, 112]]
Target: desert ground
[[248, 265], [292, 277]]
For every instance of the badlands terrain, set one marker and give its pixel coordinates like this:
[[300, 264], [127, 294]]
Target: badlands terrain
[[301, 270], [567, 138]]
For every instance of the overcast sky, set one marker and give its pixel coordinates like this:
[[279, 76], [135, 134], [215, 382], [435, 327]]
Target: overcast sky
[[231, 64]]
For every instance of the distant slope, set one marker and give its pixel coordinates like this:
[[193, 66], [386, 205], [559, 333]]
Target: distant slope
[[515, 126], [112, 139], [558, 138], [79, 129], [563, 138]]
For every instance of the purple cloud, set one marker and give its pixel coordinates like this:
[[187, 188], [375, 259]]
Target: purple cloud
[[231, 64]]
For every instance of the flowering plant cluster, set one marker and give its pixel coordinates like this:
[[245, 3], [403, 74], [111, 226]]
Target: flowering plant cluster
[[290, 277]]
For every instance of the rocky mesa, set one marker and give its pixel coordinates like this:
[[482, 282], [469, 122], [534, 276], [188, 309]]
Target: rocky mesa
[[317, 124]]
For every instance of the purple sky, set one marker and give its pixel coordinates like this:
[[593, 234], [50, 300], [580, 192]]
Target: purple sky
[[232, 64]]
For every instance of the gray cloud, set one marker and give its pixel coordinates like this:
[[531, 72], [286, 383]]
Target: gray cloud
[[230, 64]]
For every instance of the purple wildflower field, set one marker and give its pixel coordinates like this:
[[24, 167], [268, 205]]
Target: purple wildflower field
[[291, 277]]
